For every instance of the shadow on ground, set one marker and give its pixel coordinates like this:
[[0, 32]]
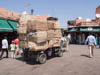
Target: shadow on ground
[[85, 55], [32, 61]]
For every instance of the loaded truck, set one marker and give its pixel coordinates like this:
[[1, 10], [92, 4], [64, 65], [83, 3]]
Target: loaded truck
[[39, 39]]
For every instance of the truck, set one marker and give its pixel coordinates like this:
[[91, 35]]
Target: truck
[[39, 39]]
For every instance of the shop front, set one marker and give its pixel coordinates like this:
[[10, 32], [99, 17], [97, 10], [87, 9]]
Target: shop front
[[79, 34], [8, 28]]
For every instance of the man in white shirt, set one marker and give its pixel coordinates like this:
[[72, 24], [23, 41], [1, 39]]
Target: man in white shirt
[[68, 38], [4, 47]]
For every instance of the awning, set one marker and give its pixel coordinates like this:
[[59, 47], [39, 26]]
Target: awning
[[90, 29], [72, 29], [4, 26], [13, 24]]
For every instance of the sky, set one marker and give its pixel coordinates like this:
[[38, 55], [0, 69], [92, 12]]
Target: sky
[[64, 10]]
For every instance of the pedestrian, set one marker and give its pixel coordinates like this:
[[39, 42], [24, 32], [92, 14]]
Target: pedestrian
[[16, 41], [68, 38], [12, 46], [99, 42], [91, 43], [4, 47]]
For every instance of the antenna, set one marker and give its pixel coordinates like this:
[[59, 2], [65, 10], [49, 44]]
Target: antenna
[[27, 6]]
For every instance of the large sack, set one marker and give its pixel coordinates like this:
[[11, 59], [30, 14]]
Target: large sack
[[22, 37], [50, 34], [57, 33], [37, 25], [57, 25], [23, 44], [50, 25], [55, 42], [35, 47], [22, 29], [40, 36], [53, 25], [25, 18]]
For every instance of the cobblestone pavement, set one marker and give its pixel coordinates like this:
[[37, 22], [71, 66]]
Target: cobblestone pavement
[[74, 62]]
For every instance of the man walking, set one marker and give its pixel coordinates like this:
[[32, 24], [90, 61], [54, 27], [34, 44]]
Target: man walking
[[91, 43], [68, 38], [4, 47]]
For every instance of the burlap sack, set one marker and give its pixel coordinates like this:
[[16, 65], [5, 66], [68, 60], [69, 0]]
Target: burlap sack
[[36, 47], [56, 25], [53, 25], [37, 25], [50, 25], [22, 37], [57, 33], [25, 18], [55, 42], [40, 36], [23, 44], [22, 29], [50, 34]]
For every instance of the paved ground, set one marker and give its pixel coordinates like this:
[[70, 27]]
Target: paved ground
[[74, 62]]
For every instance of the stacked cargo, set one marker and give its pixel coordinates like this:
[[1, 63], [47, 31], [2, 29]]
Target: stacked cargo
[[37, 31], [38, 34], [22, 30], [54, 32]]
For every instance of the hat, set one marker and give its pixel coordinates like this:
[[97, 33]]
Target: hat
[[12, 41]]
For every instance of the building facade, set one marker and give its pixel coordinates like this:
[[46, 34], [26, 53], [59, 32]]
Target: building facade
[[80, 28]]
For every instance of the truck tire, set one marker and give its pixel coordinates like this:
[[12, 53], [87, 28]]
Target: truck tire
[[25, 55], [42, 58], [60, 53]]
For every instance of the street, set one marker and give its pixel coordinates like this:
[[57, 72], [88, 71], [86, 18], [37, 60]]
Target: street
[[73, 62]]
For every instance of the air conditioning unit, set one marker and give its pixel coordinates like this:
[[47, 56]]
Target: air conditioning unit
[[98, 15]]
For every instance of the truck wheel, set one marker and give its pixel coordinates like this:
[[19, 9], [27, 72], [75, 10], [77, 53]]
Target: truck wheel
[[60, 53], [42, 58], [25, 55]]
